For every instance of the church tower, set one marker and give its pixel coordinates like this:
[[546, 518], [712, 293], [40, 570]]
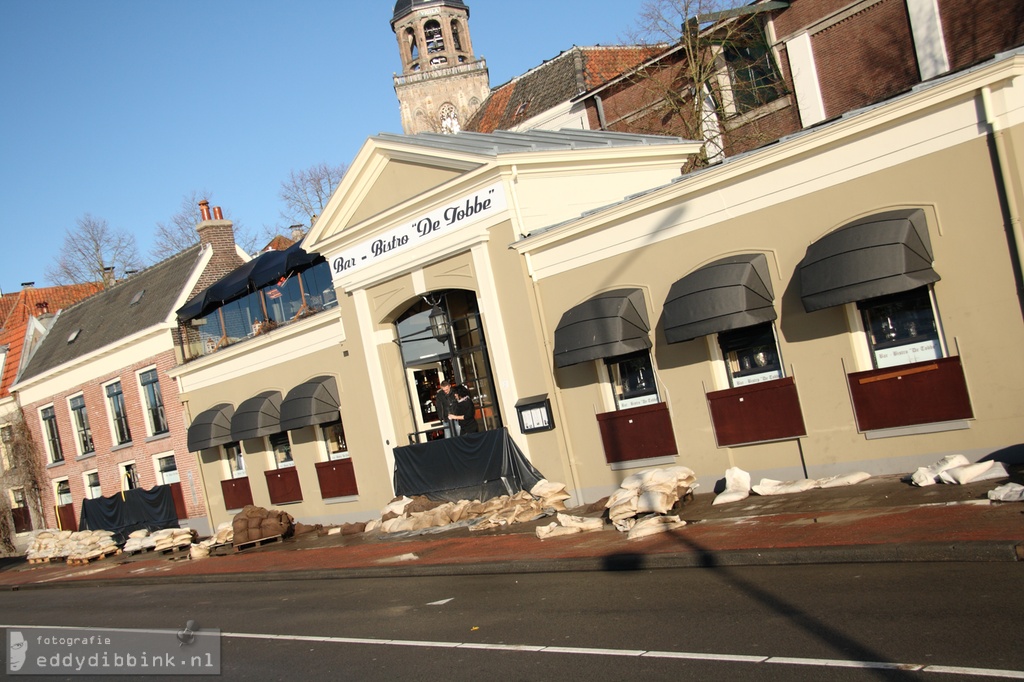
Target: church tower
[[442, 83]]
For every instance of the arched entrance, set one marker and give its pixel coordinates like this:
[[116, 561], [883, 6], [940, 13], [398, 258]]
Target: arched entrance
[[441, 337]]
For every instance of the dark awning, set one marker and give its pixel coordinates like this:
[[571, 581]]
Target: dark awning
[[257, 416], [730, 293], [273, 265], [211, 428], [612, 323], [886, 253], [313, 402]]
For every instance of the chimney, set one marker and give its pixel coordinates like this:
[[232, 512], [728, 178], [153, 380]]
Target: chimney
[[297, 233], [204, 209], [217, 214], [215, 231], [27, 285], [108, 276], [42, 308]]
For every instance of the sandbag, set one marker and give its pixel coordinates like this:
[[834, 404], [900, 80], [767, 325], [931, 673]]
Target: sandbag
[[841, 480], [652, 525], [979, 471], [930, 475], [1008, 492], [737, 487], [769, 486]]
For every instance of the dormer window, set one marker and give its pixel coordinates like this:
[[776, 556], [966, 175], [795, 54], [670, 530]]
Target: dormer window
[[433, 36]]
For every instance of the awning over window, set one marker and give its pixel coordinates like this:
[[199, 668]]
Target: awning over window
[[257, 416], [310, 403], [730, 293], [886, 253], [211, 428], [612, 323]]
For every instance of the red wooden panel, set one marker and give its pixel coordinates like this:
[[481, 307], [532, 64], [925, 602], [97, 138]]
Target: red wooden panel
[[22, 519], [756, 413], [236, 492], [337, 478], [919, 393], [66, 517], [637, 433], [283, 485], [179, 500]]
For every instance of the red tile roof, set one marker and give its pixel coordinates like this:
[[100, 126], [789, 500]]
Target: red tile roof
[[278, 243], [15, 310], [555, 82]]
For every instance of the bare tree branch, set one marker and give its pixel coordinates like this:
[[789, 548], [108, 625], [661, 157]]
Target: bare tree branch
[[179, 233], [306, 192], [89, 252]]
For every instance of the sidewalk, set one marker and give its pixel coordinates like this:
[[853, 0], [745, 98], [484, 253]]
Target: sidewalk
[[879, 520]]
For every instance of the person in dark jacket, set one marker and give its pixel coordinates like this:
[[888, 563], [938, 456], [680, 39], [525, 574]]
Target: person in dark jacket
[[465, 411], [446, 402]]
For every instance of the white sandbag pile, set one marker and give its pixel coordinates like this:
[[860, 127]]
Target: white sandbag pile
[[139, 541], [225, 535], [567, 524], [171, 538], [421, 513], [1008, 492], [650, 491], [256, 523], [737, 485], [73, 546], [957, 469]]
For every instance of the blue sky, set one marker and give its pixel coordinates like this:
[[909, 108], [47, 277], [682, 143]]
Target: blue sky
[[120, 108]]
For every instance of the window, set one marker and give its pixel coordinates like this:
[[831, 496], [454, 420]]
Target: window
[[155, 419], [80, 420], [456, 41], [6, 439], [433, 37], [91, 479], [118, 414], [753, 76], [901, 328], [632, 379], [449, 119], [62, 492], [52, 435], [235, 459], [129, 476], [166, 470], [282, 449], [334, 439], [751, 354]]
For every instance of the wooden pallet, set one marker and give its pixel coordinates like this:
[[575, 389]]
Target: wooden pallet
[[46, 560], [84, 561], [141, 550], [257, 543], [175, 550]]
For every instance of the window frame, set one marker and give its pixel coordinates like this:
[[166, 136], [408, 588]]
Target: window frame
[[231, 470], [160, 474], [57, 494], [917, 352], [745, 356], [80, 423], [611, 376], [113, 419], [152, 412], [275, 462], [51, 434], [123, 468], [326, 441], [89, 491]]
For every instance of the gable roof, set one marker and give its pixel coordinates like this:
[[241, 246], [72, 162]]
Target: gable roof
[[15, 311], [131, 306], [555, 82]]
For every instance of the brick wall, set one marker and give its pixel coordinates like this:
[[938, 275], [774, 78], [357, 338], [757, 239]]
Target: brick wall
[[865, 58], [107, 455], [976, 30]]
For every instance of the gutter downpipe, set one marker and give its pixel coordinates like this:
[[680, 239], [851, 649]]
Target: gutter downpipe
[[1003, 172], [600, 112]]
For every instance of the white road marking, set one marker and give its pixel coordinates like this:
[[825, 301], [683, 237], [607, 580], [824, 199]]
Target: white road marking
[[440, 602], [587, 651]]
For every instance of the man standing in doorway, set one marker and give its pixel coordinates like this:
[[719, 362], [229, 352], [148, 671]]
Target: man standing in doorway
[[445, 403]]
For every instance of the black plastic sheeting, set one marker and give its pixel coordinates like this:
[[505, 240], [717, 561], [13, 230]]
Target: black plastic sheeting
[[477, 466], [151, 509]]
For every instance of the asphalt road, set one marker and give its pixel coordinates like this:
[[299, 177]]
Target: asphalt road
[[915, 621]]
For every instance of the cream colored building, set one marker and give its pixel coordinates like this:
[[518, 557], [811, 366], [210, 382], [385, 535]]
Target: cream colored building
[[841, 300]]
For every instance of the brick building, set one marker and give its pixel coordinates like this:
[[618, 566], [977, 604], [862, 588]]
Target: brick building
[[96, 395]]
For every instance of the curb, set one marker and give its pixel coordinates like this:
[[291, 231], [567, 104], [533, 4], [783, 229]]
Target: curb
[[967, 552]]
